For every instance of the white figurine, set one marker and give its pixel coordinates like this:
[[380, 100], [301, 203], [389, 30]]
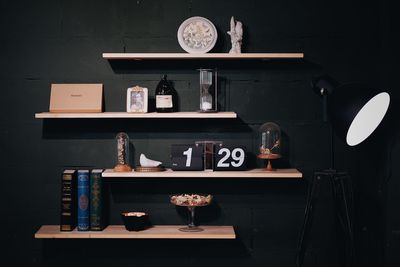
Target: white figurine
[[236, 34], [145, 162]]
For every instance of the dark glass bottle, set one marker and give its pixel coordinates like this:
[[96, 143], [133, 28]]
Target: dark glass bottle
[[165, 96]]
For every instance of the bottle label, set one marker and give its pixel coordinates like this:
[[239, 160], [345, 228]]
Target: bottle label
[[164, 101]]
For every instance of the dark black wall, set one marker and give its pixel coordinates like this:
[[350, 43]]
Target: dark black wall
[[44, 42], [389, 190]]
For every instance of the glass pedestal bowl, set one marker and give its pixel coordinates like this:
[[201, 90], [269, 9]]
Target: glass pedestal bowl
[[191, 201]]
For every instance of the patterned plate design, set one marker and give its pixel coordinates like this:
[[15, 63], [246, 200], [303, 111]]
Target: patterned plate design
[[197, 35]]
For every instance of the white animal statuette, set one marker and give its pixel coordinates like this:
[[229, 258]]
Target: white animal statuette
[[145, 162], [236, 34]]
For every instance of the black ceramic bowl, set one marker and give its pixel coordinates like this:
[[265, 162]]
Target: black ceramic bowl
[[135, 221]]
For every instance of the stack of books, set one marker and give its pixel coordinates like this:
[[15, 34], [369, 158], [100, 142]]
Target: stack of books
[[82, 200]]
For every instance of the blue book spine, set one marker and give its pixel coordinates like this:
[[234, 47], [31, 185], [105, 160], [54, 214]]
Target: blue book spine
[[83, 200]]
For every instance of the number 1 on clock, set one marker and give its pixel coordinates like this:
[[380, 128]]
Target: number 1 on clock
[[188, 154]]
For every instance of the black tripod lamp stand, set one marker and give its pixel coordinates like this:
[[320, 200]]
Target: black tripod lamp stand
[[354, 111]]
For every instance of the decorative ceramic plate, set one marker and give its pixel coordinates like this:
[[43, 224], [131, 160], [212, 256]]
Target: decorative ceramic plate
[[197, 35]]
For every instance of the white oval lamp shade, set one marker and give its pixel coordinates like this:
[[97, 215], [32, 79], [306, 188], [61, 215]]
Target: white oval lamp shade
[[368, 119]]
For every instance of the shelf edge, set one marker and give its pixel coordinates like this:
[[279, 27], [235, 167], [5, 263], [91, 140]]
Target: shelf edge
[[249, 174], [227, 56], [155, 232], [126, 115]]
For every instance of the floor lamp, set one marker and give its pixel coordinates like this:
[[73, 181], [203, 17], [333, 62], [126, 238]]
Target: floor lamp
[[354, 111]]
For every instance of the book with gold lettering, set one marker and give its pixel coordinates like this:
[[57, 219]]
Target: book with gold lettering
[[68, 200], [97, 214], [83, 200]]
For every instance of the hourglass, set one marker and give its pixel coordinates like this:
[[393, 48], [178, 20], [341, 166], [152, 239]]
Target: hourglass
[[208, 90]]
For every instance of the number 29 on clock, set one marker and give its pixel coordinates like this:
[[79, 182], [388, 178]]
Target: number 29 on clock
[[229, 158]]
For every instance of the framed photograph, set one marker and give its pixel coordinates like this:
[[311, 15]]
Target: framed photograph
[[137, 99]]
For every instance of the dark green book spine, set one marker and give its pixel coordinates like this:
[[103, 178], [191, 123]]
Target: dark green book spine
[[96, 201], [68, 198]]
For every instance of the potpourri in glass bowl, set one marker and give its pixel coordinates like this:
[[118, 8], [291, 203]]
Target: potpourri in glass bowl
[[191, 201]]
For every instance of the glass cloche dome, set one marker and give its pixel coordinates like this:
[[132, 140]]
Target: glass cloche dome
[[270, 143], [122, 142], [270, 139]]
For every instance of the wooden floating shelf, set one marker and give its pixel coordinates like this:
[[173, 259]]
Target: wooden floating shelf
[[151, 115], [155, 232], [168, 173], [160, 56]]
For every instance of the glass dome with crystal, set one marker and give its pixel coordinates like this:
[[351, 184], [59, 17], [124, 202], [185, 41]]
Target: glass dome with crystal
[[270, 143], [122, 145]]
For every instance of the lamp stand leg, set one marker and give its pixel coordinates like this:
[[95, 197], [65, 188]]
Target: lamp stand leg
[[312, 197], [342, 200], [346, 221]]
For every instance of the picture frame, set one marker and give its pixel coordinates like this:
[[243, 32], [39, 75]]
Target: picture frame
[[137, 99]]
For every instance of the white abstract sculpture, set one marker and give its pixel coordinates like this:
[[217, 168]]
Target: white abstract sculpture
[[236, 34], [145, 162]]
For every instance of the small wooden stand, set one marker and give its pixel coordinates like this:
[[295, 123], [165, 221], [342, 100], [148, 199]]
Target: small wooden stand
[[122, 168], [268, 157], [149, 169]]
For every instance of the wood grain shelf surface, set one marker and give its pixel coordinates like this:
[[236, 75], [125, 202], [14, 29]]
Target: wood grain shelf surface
[[220, 56], [151, 115], [168, 173], [155, 232]]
